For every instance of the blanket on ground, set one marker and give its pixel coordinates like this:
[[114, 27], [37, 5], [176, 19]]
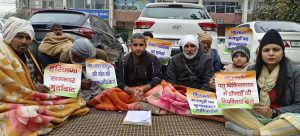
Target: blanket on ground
[[23, 111], [162, 99], [54, 45]]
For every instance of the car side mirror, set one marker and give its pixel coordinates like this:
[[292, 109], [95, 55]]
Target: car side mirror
[[123, 35]]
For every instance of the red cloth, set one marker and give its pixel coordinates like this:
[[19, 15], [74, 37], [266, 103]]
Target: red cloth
[[273, 97]]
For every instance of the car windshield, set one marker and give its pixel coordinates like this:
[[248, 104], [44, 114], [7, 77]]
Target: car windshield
[[175, 13], [262, 27], [61, 18]]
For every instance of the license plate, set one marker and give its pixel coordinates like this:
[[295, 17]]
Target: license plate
[[295, 43], [174, 43]]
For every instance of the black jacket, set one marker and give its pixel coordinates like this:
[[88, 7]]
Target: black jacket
[[291, 101], [131, 74], [201, 66]]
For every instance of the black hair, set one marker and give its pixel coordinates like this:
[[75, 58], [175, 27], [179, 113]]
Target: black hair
[[55, 25], [281, 82], [137, 36], [148, 33]]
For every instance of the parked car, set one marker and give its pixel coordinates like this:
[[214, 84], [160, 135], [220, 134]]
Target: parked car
[[171, 21], [289, 31], [79, 25]]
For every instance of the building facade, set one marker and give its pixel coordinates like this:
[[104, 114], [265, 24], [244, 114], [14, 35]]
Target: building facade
[[123, 13]]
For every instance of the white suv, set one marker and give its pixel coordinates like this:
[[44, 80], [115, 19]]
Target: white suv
[[171, 21]]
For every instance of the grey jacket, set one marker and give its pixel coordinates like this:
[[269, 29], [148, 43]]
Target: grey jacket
[[201, 66], [292, 93]]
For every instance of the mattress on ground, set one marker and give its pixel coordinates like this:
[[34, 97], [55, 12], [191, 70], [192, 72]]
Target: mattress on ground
[[107, 123]]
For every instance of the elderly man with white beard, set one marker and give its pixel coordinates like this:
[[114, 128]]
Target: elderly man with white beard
[[191, 68]]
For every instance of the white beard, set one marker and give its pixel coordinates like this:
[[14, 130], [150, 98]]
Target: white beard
[[189, 57]]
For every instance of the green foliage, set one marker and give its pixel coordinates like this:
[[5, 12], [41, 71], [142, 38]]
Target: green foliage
[[20, 14], [283, 10]]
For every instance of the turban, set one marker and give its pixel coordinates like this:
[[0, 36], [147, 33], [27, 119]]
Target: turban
[[189, 39], [13, 26], [204, 37], [84, 48]]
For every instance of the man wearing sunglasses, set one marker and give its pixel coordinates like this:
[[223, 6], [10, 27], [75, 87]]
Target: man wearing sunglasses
[[139, 70]]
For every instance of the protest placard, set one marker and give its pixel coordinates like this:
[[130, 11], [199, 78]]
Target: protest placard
[[237, 36], [101, 72], [236, 89], [160, 48], [63, 79], [202, 102]]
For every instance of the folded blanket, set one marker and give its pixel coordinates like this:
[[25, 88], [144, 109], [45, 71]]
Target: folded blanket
[[23, 111], [54, 45], [166, 97], [114, 99]]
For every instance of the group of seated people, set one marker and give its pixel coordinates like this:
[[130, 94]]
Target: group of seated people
[[27, 110]]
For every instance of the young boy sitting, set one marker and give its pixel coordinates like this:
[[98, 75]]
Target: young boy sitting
[[240, 58]]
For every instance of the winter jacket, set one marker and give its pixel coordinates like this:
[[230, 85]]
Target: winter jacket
[[131, 74], [216, 60], [291, 101], [201, 71]]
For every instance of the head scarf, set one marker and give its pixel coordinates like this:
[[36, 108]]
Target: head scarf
[[204, 37], [189, 39], [13, 26], [83, 48]]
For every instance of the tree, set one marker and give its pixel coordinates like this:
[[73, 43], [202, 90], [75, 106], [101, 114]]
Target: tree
[[20, 14], [282, 10]]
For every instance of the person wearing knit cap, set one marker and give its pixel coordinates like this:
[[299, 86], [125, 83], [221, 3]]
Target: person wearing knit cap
[[18, 34], [278, 80], [191, 68], [25, 107], [205, 41], [81, 50], [240, 59]]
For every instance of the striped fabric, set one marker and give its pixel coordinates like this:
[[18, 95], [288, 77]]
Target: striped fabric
[[285, 124]]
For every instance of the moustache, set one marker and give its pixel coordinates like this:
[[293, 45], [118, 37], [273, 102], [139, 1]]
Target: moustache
[[22, 45], [189, 53]]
